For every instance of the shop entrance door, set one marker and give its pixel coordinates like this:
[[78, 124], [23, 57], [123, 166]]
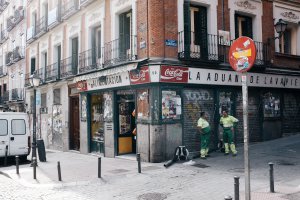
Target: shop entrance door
[[74, 124], [126, 126]]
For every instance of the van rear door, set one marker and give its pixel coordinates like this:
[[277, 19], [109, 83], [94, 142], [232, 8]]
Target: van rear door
[[4, 137], [18, 138]]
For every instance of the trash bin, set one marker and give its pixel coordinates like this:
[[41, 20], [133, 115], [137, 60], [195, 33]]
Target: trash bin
[[41, 150]]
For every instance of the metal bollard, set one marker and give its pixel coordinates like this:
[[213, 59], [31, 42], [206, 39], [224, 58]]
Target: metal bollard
[[17, 164], [271, 177], [228, 197], [138, 157], [5, 158], [236, 188], [34, 167], [99, 167], [59, 171]]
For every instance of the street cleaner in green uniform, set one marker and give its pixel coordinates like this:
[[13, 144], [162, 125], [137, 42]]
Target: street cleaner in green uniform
[[204, 129], [227, 122]]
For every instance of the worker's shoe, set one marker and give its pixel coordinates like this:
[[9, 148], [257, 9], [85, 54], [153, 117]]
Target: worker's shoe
[[226, 145], [202, 153], [233, 150], [206, 153]]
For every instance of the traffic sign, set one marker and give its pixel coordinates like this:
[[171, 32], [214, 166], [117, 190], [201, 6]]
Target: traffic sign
[[242, 54]]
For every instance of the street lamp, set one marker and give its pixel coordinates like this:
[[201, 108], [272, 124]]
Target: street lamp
[[34, 82], [280, 28]]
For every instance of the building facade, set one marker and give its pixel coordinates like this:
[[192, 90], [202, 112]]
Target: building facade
[[108, 67], [12, 54]]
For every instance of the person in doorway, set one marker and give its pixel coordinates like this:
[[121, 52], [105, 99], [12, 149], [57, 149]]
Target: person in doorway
[[227, 122], [134, 130], [204, 130]]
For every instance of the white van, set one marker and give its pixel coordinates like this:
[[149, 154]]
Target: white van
[[14, 134]]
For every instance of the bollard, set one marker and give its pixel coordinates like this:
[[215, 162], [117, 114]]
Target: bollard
[[228, 198], [59, 171], [138, 157], [236, 188], [17, 164], [34, 167], [271, 177], [99, 167], [5, 158]]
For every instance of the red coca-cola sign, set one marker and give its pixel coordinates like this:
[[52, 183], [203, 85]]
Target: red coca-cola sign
[[81, 85], [174, 74], [140, 76]]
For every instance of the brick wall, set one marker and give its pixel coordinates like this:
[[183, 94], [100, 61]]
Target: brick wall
[[226, 15], [291, 113], [194, 102], [142, 27]]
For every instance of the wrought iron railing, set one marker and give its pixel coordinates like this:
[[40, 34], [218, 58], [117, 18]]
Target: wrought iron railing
[[3, 36], [18, 53], [69, 66], [51, 72], [17, 94], [19, 15], [30, 36], [89, 60], [2, 71], [10, 23], [5, 96], [41, 26], [3, 5], [9, 58], [27, 80], [120, 50], [69, 8], [213, 48], [40, 73]]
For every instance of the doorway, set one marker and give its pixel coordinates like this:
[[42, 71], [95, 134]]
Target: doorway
[[126, 124], [74, 124]]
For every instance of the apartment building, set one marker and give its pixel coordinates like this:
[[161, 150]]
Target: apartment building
[[12, 54], [109, 67]]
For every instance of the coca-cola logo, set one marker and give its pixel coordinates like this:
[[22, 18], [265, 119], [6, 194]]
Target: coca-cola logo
[[139, 76], [173, 73]]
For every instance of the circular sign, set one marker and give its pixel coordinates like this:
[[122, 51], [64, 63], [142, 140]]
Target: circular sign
[[242, 54]]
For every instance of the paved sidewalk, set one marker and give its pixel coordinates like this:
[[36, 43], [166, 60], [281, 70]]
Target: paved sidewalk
[[209, 179]]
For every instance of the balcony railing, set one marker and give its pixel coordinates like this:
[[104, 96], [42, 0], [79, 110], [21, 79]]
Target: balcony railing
[[85, 2], [3, 5], [69, 8], [3, 36], [2, 71], [5, 96], [120, 50], [10, 22], [27, 80], [89, 60], [30, 36], [18, 53], [41, 27], [214, 50], [9, 58], [51, 72], [69, 66], [19, 15], [54, 17], [40, 73], [17, 94]]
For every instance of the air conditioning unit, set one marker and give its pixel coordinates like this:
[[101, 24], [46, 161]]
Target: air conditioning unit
[[44, 110]]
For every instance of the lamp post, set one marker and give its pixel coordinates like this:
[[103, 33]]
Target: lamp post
[[280, 28], [35, 82]]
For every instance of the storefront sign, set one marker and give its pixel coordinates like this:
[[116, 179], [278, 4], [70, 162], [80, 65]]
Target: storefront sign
[[174, 74], [109, 81], [140, 76], [220, 77], [81, 85]]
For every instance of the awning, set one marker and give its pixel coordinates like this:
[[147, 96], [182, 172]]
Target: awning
[[106, 72]]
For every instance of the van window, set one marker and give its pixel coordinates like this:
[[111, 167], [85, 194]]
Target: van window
[[18, 127], [3, 127]]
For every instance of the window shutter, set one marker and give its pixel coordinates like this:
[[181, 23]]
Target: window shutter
[[197, 22], [121, 34], [93, 46], [187, 28], [249, 32], [127, 25], [287, 41], [99, 43], [44, 100], [56, 96], [203, 33], [236, 26]]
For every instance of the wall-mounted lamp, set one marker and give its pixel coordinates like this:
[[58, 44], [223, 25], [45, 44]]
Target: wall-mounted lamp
[[280, 28]]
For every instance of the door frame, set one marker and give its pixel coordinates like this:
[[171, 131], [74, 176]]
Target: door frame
[[71, 97]]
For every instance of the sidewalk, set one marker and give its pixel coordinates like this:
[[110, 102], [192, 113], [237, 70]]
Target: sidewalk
[[209, 179]]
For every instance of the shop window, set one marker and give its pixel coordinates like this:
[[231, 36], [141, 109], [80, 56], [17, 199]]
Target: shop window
[[171, 104], [97, 117], [143, 111], [271, 103], [108, 113]]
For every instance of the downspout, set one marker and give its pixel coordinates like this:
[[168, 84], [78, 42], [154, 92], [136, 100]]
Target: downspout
[[148, 29]]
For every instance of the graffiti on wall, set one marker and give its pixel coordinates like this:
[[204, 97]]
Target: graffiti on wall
[[55, 128]]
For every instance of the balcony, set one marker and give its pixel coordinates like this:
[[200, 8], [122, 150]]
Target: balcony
[[89, 61], [51, 72], [54, 17], [5, 97], [30, 36], [27, 80], [3, 5], [19, 15], [68, 67], [3, 36], [84, 3], [9, 58], [69, 8], [10, 23], [17, 94], [214, 50], [3, 71], [18, 53], [40, 73], [41, 27], [120, 50]]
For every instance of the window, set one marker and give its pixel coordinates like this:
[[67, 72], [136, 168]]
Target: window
[[3, 127], [171, 104], [243, 26], [286, 41], [56, 96], [32, 65], [18, 127], [125, 23], [143, 106], [44, 100]]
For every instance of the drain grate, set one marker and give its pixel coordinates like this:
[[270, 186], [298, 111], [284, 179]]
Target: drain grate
[[118, 171], [285, 163], [152, 196], [199, 165]]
